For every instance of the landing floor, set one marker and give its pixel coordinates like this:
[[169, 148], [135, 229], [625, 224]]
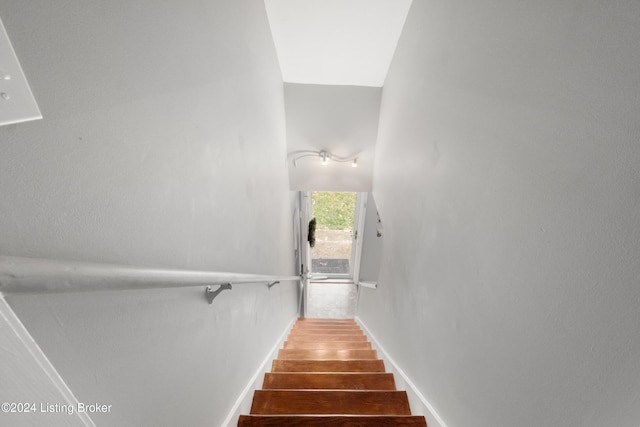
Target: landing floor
[[332, 300]]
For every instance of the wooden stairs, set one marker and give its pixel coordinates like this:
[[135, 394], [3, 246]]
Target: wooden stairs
[[327, 375]]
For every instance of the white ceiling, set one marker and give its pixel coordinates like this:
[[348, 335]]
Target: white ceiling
[[336, 42]]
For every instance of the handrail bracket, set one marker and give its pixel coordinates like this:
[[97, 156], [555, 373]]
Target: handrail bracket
[[272, 284], [211, 294]]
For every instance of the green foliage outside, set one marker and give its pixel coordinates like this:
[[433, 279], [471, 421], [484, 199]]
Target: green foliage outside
[[333, 211]]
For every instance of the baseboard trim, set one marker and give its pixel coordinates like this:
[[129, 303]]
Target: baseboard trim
[[419, 404], [8, 316], [243, 404]]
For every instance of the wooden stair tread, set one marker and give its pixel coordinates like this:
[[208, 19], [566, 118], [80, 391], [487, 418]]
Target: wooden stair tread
[[327, 331], [338, 327], [325, 325], [311, 332], [331, 420], [327, 337], [362, 345], [367, 365], [334, 381], [326, 354], [277, 402]]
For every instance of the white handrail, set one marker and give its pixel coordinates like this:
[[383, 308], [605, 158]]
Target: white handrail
[[34, 275]]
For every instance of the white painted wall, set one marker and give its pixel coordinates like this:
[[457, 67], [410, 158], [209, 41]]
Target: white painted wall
[[163, 145], [417, 402], [32, 393], [507, 175], [340, 119]]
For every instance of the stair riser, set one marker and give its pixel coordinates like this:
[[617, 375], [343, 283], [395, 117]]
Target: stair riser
[[323, 338], [328, 366], [308, 345], [332, 381], [326, 331], [278, 402], [287, 354], [320, 337], [330, 421]]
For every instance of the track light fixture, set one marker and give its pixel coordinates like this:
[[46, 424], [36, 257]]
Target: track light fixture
[[324, 155]]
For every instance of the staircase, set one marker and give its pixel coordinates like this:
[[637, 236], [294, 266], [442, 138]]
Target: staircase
[[327, 375]]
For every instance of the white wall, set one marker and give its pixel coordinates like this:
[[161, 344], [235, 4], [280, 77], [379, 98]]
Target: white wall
[[31, 388], [340, 119], [507, 176], [162, 144]]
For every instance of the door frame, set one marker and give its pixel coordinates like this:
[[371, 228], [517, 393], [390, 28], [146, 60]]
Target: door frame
[[304, 209], [356, 246]]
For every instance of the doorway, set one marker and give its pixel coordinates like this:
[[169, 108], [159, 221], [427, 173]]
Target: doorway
[[334, 252], [332, 266]]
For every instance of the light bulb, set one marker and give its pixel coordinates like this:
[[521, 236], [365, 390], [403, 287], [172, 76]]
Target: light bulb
[[354, 164]]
